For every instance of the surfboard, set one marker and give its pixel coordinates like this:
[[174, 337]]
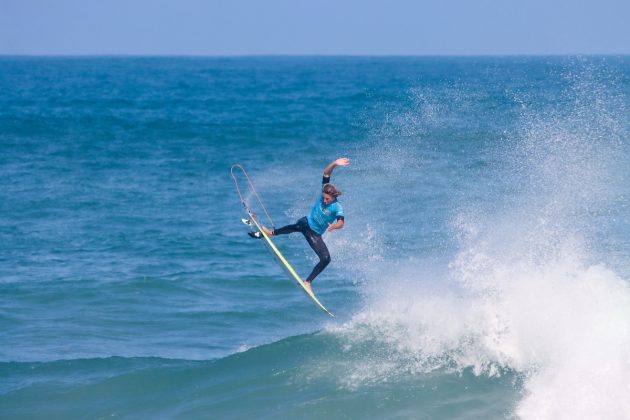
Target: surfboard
[[282, 261]]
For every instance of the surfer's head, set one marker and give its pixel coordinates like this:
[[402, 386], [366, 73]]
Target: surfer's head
[[330, 193]]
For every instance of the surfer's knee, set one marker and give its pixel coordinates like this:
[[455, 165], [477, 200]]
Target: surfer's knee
[[325, 259]]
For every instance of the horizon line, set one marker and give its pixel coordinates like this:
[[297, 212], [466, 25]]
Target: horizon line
[[291, 55]]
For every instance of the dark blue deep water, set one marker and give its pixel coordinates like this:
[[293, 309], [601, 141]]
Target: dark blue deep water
[[483, 271]]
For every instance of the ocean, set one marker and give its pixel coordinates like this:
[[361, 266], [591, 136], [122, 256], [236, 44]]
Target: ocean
[[483, 271]]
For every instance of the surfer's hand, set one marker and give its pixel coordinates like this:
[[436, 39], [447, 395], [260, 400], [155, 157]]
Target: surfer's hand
[[339, 162], [337, 225], [342, 162]]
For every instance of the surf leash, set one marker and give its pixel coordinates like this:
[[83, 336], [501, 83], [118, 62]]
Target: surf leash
[[252, 188]]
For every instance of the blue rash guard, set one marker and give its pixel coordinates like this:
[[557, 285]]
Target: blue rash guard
[[321, 214]]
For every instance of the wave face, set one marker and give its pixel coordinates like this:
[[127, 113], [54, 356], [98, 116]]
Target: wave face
[[269, 380], [482, 272]]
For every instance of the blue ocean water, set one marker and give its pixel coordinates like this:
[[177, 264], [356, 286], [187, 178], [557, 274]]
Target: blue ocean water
[[483, 271]]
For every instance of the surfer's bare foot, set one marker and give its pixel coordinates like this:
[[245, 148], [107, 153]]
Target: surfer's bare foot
[[307, 285], [267, 231]]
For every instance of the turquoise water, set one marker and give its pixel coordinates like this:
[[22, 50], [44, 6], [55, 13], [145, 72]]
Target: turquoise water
[[483, 271]]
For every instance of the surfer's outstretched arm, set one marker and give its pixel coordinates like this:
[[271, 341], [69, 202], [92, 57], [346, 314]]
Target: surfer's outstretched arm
[[339, 162]]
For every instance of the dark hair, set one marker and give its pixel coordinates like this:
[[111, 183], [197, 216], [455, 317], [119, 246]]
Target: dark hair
[[331, 190]]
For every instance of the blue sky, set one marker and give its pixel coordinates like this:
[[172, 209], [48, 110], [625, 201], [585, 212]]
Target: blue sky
[[243, 27]]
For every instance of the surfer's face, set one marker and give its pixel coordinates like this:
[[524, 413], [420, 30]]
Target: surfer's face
[[328, 198]]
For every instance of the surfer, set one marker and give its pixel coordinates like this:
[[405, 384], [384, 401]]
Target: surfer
[[326, 215]]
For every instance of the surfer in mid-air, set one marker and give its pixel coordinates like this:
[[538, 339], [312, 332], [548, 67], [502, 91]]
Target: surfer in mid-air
[[326, 215]]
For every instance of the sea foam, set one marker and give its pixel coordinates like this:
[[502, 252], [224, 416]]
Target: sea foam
[[525, 291]]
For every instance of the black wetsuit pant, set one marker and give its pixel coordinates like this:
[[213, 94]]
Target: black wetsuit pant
[[314, 240]]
